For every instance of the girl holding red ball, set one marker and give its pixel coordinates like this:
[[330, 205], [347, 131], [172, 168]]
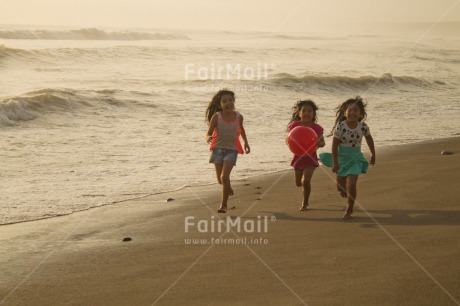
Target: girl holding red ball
[[304, 114]]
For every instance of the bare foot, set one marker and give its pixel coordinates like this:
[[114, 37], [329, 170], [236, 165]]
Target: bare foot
[[303, 207], [231, 191], [342, 193], [222, 210], [347, 216]]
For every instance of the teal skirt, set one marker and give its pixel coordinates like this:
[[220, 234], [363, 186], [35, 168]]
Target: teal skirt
[[351, 161], [326, 159]]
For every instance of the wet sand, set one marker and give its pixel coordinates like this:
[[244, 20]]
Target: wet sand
[[401, 247]]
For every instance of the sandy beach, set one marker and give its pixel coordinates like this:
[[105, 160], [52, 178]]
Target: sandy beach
[[401, 247]]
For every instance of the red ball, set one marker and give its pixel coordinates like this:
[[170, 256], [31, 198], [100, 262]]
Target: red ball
[[302, 140]]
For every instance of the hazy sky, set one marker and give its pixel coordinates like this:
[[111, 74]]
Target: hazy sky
[[261, 15]]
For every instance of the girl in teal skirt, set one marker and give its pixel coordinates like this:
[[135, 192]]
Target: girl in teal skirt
[[347, 159]]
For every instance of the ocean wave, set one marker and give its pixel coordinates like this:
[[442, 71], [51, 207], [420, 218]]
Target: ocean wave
[[438, 55], [136, 52], [12, 111], [33, 104], [386, 80], [6, 52], [104, 53], [302, 37], [28, 106], [89, 34], [321, 83], [452, 60]]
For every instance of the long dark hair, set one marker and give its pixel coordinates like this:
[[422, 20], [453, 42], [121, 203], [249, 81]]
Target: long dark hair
[[214, 104], [298, 107], [340, 114]]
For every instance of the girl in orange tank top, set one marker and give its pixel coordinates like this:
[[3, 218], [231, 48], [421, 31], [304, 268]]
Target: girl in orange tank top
[[225, 126]]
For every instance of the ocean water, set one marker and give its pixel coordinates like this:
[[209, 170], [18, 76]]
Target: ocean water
[[91, 117]]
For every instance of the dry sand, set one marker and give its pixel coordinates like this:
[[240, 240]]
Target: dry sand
[[401, 248]]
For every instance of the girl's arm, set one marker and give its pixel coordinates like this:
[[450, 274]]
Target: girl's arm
[[320, 142], [212, 126], [370, 144], [247, 149], [335, 154], [287, 135]]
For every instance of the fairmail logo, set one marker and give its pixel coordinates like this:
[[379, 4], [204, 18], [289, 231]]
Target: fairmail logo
[[227, 72], [213, 225]]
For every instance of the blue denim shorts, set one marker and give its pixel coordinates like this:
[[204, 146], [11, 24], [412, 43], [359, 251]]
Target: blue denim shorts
[[219, 155]]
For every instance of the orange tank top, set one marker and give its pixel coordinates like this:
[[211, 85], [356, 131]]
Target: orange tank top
[[226, 135]]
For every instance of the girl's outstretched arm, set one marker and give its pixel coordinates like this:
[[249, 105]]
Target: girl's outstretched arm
[[247, 149], [335, 154], [212, 126], [370, 144]]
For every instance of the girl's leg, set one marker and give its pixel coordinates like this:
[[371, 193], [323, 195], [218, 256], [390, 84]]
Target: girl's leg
[[307, 174], [298, 177], [226, 187], [219, 168], [352, 181], [342, 186]]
